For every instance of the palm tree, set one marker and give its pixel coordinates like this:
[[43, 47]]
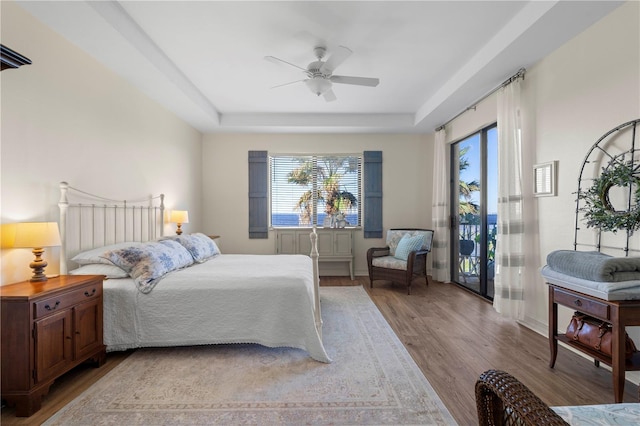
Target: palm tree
[[329, 174], [467, 209], [303, 176], [466, 189]]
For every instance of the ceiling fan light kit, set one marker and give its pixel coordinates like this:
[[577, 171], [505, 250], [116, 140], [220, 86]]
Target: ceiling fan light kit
[[318, 85], [320, 76]]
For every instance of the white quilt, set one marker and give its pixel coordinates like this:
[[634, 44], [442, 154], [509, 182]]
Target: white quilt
[[264, 299]]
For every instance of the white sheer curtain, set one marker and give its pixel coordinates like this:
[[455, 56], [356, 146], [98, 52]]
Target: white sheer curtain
[[440, 210], [510, 277]]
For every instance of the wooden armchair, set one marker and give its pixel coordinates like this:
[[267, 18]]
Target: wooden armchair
[[400, 266]]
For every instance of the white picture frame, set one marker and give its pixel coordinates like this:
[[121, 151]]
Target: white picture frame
[[544, 179]]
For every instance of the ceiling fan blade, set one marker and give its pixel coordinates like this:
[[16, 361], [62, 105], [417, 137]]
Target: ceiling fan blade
[[329, 96], [278, 61], [336, 58], [286, 84], [360, 81]]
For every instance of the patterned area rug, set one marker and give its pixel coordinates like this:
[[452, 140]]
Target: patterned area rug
[[372, 380]]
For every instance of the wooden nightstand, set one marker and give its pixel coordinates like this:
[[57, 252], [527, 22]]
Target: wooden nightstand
[[47, 329]]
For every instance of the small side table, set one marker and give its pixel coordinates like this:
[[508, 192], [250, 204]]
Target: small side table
[[619, 314]]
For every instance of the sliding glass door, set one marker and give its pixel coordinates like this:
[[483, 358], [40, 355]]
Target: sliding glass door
[[474, 188]]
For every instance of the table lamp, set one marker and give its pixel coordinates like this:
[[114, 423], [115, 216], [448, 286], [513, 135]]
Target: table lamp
[[37, 235], [179, 217]]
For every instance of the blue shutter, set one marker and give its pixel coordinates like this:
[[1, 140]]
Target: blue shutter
[[258, 195], [373, 194]]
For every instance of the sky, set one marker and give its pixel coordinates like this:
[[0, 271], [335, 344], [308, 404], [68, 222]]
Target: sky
[[473, 155]]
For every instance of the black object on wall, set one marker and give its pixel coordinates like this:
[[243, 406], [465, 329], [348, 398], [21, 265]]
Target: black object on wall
[[11, 59]]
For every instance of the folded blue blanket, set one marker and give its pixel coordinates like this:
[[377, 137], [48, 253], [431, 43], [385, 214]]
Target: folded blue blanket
[[594, 266]]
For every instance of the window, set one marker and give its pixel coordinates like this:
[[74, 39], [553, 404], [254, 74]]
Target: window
[[307, 189], [369, 180]]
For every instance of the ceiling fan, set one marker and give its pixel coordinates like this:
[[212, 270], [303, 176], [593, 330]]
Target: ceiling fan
[[320, 77]]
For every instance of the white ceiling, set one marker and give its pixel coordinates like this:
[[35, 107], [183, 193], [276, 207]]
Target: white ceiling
[[204, 60]]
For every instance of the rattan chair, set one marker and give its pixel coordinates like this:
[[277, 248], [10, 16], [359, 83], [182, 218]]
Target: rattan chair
[[384, 266], [502, 400]]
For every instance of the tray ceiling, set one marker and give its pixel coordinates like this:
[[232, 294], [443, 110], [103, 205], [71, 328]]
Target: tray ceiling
[[204, 60]]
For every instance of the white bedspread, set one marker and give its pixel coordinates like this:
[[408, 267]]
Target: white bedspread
[[264, 299]]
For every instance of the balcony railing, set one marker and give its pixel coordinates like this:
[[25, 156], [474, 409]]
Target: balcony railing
[[469, 244]]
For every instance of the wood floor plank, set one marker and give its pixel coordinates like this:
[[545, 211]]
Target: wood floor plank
[[452, 335], [64, 390], [462, 336]]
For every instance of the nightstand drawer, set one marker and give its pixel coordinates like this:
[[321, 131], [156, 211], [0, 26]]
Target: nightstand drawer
[[582, 304], [70, 298]]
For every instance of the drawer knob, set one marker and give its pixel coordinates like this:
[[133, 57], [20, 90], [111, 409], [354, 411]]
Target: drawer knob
[[577, 302], [86, 293], [50, 308]]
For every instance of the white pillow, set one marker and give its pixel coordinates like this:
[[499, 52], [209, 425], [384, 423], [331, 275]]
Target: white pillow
[[110, 271], [95, 255]]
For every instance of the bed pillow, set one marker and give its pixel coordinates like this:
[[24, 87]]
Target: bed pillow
[[408, 244], [201, 247], [149, 263], [95, 255], [109, 271]]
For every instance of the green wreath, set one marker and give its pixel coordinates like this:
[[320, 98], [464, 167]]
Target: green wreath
[[598, 211]]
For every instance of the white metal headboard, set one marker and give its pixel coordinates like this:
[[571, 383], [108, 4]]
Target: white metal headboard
[[92, 221]]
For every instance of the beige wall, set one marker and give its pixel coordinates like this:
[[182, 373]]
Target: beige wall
[[574, 95], [67, 118], [578, 93], [407, 163]]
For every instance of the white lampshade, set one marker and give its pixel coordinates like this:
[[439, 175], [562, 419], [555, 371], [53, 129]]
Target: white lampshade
[[179, 216], [36, 235], [318, 85]]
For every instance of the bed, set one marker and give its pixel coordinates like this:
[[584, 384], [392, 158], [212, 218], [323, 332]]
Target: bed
[[180, 290]]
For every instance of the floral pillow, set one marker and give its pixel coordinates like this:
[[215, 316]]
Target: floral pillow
[[201, 247], [150, 262], [393, 238]]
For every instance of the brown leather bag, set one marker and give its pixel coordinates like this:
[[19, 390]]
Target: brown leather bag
[[595, 334]]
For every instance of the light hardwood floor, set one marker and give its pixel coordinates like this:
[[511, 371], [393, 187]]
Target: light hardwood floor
[[452, 335]]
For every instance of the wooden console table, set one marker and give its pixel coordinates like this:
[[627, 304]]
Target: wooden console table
[[619, 314], [334, 244]]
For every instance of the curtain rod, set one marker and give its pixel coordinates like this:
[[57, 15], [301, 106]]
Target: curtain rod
[[517, 75]]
